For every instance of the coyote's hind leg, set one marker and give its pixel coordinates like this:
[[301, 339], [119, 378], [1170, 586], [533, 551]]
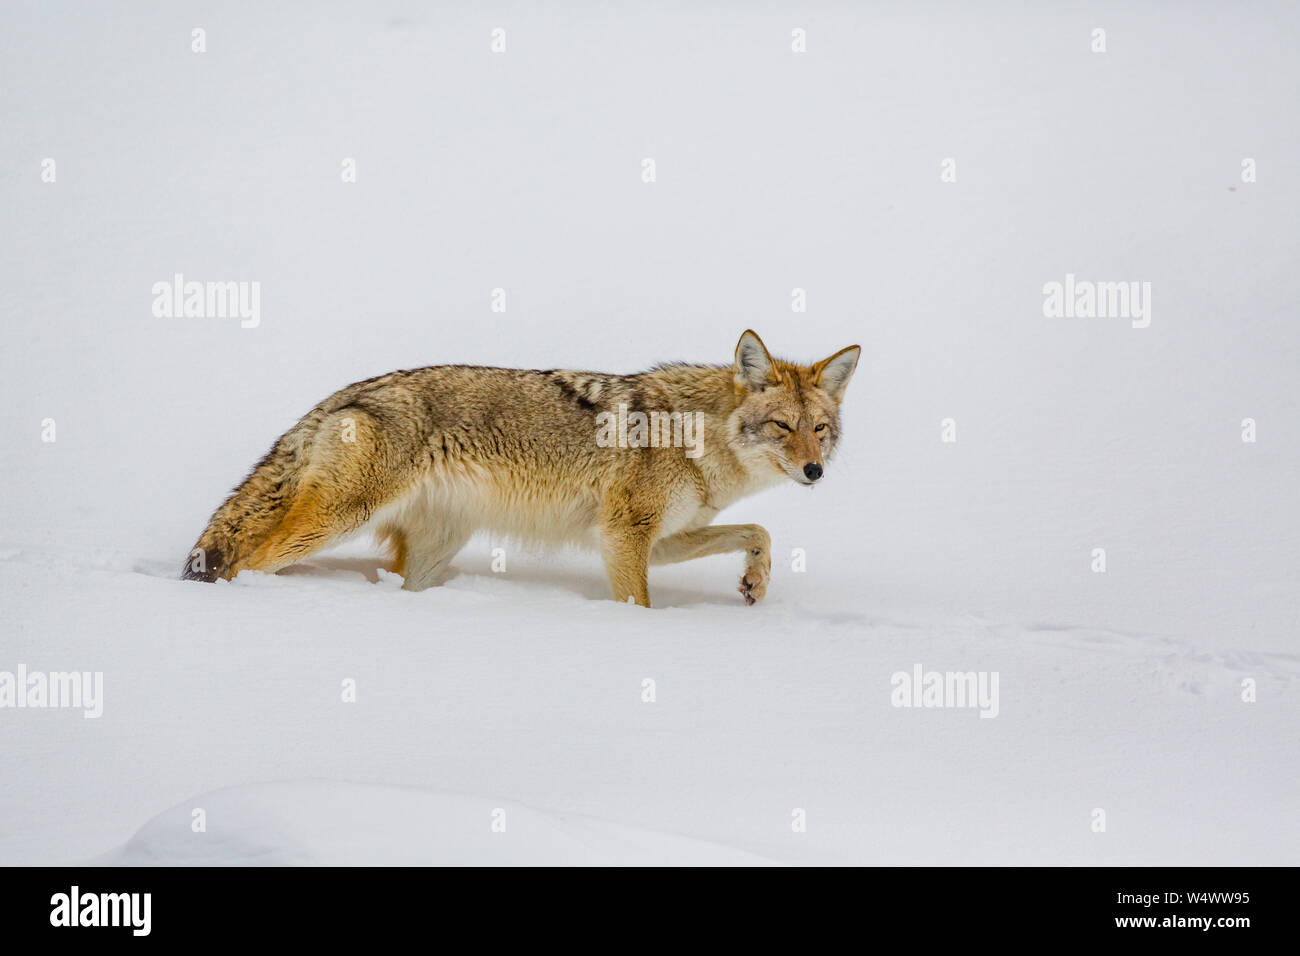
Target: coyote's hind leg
[[428, 550], [351, 472]]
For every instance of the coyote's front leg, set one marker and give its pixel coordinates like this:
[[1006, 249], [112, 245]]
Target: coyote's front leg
[[753, 539], [627, 534]]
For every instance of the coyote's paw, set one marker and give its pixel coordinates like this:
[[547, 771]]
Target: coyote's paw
[[757, 573]]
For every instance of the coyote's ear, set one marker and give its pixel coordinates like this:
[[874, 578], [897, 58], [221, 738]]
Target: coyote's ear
[[832, 375], [754, 369]]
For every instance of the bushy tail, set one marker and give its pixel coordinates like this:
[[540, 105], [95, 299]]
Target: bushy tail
[[254, 509]]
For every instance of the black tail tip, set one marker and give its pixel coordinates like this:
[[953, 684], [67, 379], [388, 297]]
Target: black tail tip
[[204, 564]]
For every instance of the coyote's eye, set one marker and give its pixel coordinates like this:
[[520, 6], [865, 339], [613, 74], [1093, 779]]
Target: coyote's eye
[[820, 428], [781, 425]]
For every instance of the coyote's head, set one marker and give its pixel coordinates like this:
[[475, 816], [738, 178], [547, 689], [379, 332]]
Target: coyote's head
[[789, 415]]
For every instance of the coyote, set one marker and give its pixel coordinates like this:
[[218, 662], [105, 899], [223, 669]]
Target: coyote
[[425, 457]]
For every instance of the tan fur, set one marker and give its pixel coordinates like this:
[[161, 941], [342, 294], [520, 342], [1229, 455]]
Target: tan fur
[[395, 539], [427, 457]]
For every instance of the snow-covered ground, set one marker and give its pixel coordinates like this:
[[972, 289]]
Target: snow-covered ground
[[502, 717]]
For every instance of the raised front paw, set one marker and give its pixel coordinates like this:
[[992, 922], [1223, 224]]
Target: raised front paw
[[754, 584]]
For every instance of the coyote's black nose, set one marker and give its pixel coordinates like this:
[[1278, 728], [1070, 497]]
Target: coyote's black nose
[[812, 471]]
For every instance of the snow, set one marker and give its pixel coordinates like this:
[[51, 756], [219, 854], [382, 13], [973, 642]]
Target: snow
[[523, 690], [317, 823]]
